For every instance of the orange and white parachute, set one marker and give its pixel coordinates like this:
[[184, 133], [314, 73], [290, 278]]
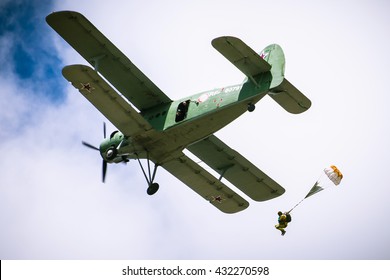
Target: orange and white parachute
[[331, 176], [334, 174]]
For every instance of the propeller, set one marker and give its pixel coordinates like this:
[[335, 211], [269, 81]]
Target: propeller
[[104, 165]]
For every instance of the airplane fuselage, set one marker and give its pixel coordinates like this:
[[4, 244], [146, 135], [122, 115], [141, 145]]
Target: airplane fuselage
[[186, 121]]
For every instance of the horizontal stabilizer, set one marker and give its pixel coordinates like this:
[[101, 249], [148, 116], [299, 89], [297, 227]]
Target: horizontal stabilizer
[[290, 98], [241, 55]]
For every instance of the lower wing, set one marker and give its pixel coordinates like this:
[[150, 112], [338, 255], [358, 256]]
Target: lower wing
[[205, 184], [236, 169]]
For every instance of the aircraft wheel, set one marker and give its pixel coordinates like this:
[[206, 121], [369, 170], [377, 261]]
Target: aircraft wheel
[[153, 188], [251, 107]]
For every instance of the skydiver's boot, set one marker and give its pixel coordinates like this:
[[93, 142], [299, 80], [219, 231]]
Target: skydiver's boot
[[283, 232]]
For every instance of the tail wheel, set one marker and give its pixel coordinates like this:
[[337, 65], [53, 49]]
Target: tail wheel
[[251, 107]]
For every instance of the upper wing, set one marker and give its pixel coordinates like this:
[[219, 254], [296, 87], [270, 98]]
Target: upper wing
[[83, 36], [241, 55], [106, 100], [205, 184], [290, 98], [236, 169]]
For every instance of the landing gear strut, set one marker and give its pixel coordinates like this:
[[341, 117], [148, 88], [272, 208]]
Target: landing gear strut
[[153, 187]]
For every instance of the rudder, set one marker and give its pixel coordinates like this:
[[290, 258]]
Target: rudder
[[281, 90], [274, 55]]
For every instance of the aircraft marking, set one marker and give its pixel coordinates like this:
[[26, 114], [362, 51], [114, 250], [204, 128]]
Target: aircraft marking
[[87, 87], [263, 55], [217, 198], [205, 96]]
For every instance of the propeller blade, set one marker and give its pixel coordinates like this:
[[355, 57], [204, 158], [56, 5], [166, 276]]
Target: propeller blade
[[90, 146], [104, 166], [104, 170]]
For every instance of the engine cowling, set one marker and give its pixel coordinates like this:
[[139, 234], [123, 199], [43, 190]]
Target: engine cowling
[[111, 148]]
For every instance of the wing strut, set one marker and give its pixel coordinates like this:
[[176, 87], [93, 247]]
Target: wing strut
[[223, 170], [96, 60]]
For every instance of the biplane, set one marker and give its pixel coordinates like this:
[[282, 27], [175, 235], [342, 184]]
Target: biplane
[[154, 128]]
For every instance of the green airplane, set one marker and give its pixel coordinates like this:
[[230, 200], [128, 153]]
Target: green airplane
[[153, 127]]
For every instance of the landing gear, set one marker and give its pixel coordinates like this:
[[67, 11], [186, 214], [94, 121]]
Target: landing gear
[[153, 187], [251, 107]]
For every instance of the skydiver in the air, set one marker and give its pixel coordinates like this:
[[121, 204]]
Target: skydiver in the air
[[283, 220]]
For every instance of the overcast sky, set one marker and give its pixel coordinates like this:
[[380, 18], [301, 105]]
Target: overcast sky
[[54, 206]]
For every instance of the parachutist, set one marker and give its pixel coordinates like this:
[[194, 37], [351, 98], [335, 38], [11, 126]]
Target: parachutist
[[283, 220]]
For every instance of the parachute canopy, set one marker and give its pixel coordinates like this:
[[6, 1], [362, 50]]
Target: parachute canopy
[[332, 176]]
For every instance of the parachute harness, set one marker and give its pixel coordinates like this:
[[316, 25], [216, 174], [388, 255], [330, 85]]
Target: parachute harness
[[332, 176]]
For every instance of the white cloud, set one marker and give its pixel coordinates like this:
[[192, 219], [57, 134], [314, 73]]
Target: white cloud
[[52, 204]]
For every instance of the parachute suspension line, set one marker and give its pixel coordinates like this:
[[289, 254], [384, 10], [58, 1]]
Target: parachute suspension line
[[316, 184], [296, 205], [331, 174], [318, 180]]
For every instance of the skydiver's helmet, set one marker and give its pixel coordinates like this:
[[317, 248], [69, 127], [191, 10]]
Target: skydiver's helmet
[[280, 213]]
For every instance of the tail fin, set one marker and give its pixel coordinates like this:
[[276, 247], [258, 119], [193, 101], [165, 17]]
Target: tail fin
[[274, 55], [281, 90], [271, 59]]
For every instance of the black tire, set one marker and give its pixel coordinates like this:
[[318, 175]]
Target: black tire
[[153, 188], [251, 107]]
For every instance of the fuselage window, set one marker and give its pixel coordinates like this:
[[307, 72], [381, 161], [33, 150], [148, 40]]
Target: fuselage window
[[182, 110]]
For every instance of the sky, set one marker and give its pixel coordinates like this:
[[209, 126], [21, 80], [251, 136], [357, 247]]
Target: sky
[[54, 206]]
